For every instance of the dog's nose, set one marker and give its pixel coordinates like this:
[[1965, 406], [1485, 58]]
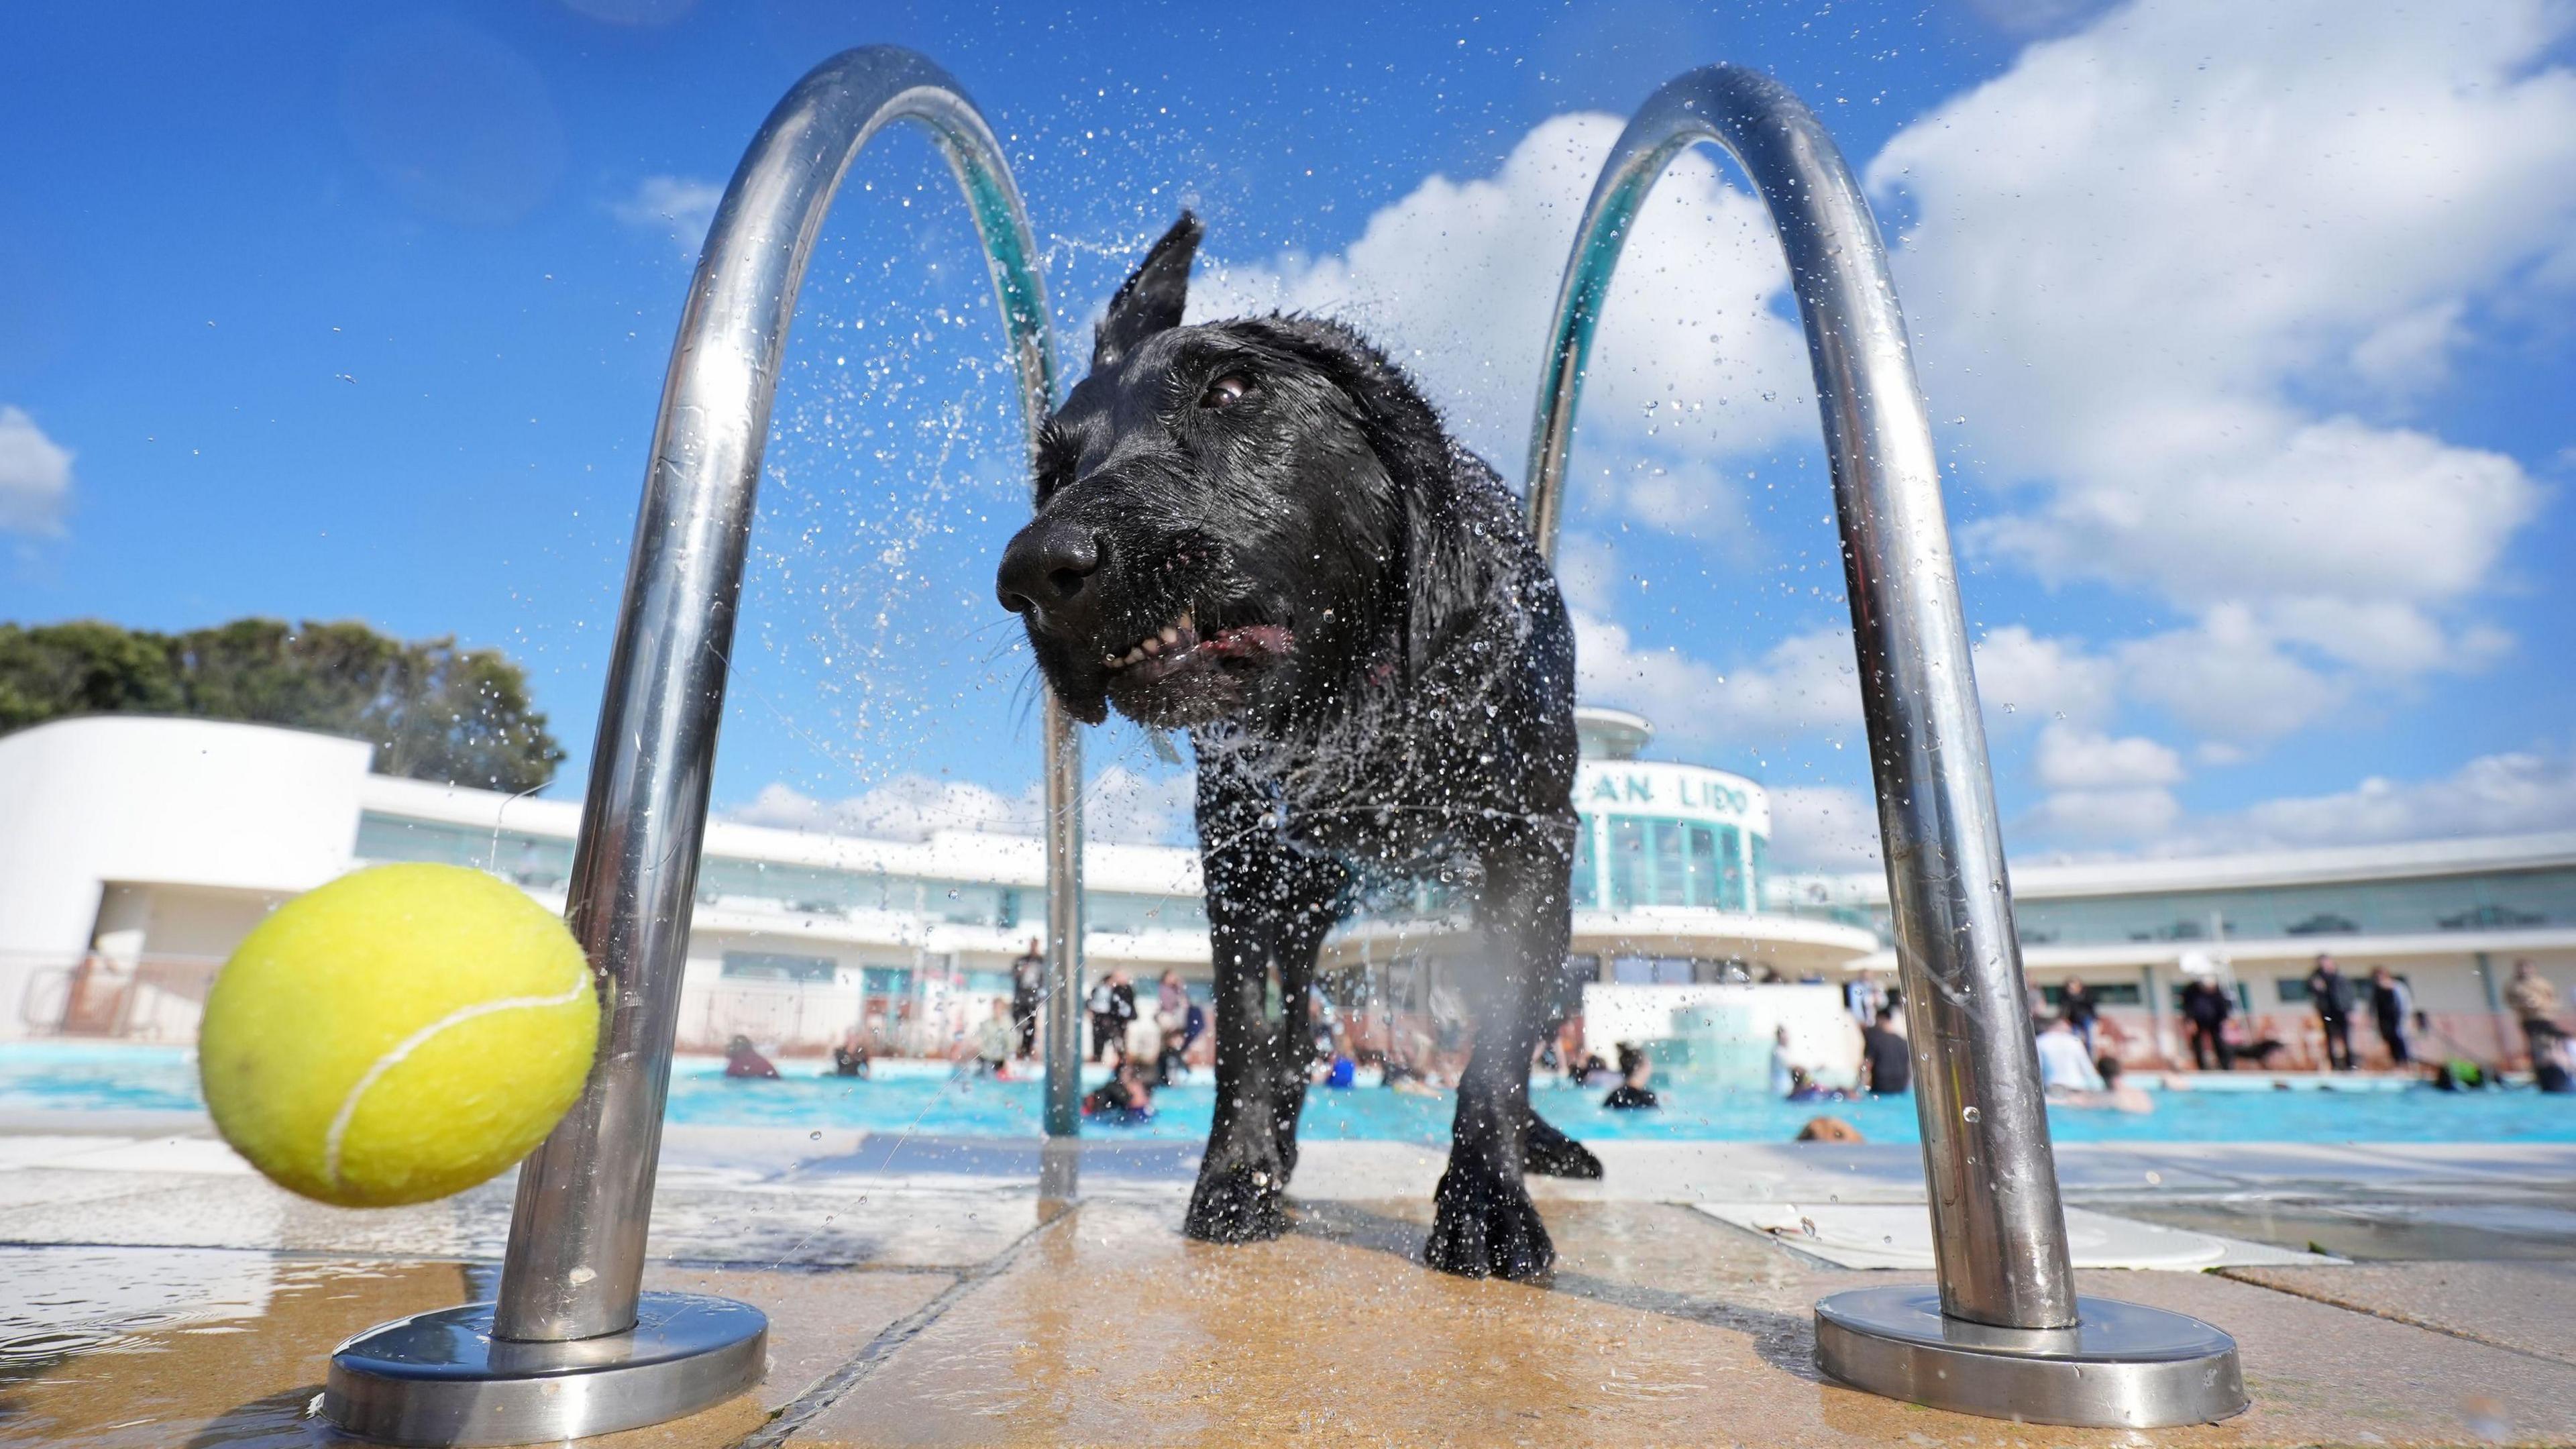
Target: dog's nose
[[1048, 568]]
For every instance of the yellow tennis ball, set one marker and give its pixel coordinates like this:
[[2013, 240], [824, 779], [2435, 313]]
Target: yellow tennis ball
[[400, 1034]]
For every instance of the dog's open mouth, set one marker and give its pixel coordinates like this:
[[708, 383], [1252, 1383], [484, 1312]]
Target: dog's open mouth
[[1179, 648]]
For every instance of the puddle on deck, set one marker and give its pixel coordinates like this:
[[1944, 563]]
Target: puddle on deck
[[150, 1348]]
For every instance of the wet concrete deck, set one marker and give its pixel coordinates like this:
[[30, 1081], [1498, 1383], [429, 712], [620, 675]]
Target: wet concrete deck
[[153, 1292]]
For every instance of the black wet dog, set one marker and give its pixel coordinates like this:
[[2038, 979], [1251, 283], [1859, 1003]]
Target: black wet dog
[[1259, 531]]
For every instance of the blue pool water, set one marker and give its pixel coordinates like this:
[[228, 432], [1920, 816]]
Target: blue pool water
[[51, 1076]]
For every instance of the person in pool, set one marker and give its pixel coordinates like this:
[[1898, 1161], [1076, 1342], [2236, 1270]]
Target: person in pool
[[1804, 1088], [1124, 1100], [742, 1059], [850, 1058], [1632, 1094]]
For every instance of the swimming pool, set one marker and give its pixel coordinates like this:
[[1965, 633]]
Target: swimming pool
[[929, 1098]]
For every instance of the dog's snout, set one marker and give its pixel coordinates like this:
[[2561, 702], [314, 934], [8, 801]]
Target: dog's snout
[[1049, 568]]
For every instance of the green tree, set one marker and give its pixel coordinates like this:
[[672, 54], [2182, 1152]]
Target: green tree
[[433, 711]]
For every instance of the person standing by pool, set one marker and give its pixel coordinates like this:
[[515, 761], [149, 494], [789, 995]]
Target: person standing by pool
[[2332, 997], [1028, 982], [2535, 1002], [1887, 1061], [1122, 1004], [1862, 996], [1783, 1071], [2207, 1008], [2390, 1005], [2075, 1003], [1104, 1021]]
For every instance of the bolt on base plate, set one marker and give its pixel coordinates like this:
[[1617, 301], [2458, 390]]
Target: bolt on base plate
[[442, 1378], [2122, 1365]]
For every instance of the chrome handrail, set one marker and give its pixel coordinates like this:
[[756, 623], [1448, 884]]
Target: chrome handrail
[[575, 1260], [2009, 1329], [2002, 1246]]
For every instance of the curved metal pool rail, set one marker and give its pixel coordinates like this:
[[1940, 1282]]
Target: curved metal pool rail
[[1999, 1229], [575, 1260]]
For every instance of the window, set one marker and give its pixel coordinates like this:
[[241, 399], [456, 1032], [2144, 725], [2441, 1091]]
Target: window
[[1630, 884], [1657, 862], [771, 966], [1587, 884]]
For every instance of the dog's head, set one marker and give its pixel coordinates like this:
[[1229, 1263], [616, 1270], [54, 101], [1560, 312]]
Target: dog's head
[[1222, 512]]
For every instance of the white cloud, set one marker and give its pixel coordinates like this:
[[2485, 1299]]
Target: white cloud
[[1804, 683], [1120, 807], [2075, 759], [2228, 678], [2500, 794], [2042, 679], [1823, 827], [2163, 263], [1457, 278], [2132, 814], [680, 207], [35, 476]]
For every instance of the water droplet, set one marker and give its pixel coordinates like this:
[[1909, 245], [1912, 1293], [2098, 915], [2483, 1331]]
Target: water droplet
[[1968, 1114], [815, 1136]]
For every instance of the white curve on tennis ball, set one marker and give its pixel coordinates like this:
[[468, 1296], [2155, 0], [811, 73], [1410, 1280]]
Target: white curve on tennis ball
[[412, 1043]]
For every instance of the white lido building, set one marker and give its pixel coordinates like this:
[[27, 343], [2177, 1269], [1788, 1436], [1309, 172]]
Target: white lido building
[[136, 852]]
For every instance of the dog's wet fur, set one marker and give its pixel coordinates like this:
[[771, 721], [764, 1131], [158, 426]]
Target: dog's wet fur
[[1259, 531]]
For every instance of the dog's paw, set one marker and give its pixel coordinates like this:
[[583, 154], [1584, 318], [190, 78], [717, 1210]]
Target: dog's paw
[[1551, 1153], [1237, 1204], [1485, 1228]]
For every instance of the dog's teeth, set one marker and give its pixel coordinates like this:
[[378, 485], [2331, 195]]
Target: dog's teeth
[[1152, 646], [1187, 624], [1112, 661], [1171, 636]]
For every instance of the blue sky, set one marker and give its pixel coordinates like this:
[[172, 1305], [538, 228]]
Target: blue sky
[[2249, 334]]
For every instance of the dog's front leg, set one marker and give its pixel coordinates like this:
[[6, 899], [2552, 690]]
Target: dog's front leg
[[1268, 910], [1483, 1223]]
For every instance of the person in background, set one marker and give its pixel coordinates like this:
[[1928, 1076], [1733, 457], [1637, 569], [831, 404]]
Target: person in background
[[1862, 998], [1886, 1060], [2064, 1065], [742, 1059], [2115, 1095], [1782, 1073], [2534, 1002], [1028, 984], [2554, 1069], [1104, 1021], [2075, 1003], [850, 1057], [2207, 1008], [994, 1040], [1122, 1001], [1123, 1099], [1804, 1088], [1632, 1094], [1172, 1005], [2331, 995], [2390, 1006]]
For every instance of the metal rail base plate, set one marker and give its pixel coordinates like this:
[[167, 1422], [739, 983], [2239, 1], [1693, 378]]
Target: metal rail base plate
[[2122, 1365], [442, 1378]]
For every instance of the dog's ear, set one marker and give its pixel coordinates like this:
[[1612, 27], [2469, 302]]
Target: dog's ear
[[1438, 577], [1153, 297]]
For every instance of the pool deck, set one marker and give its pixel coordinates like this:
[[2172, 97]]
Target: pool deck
[[157, 1292]]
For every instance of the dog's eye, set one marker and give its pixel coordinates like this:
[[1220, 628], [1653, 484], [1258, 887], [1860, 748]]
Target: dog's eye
[[1225, 392]]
